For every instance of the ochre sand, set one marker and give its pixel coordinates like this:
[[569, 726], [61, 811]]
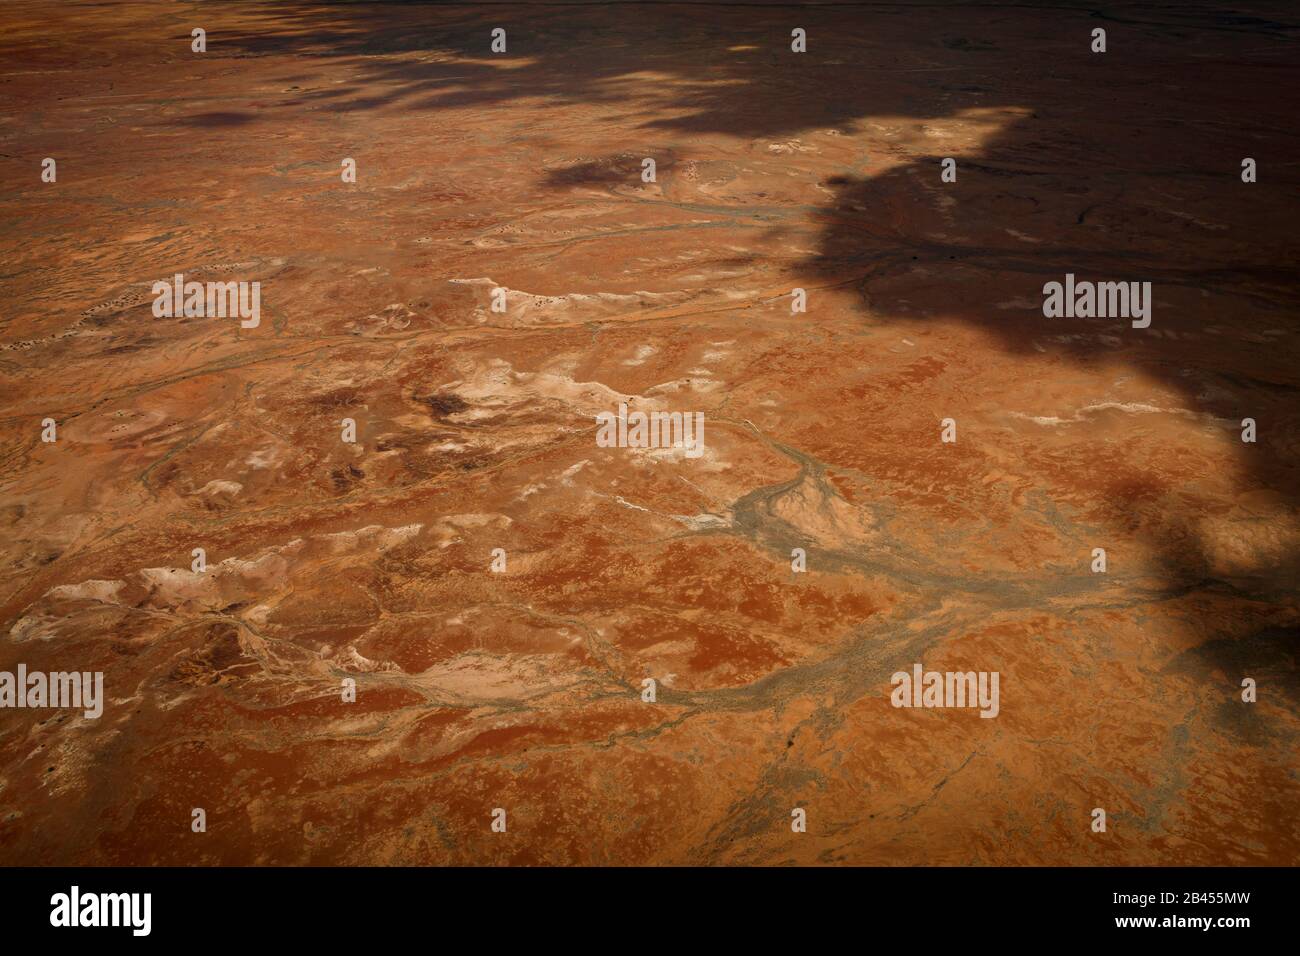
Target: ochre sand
[[476, 431]]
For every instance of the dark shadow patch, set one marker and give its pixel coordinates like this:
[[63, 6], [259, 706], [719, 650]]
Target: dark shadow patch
[[443, 404], [217, 120]]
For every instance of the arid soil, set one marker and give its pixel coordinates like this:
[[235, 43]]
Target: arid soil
[[522, 689]]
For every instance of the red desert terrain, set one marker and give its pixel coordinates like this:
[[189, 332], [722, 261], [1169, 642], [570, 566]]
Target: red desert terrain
[[498, 583]]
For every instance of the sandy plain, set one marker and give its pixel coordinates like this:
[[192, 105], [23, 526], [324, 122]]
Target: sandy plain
[[475, 431]]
